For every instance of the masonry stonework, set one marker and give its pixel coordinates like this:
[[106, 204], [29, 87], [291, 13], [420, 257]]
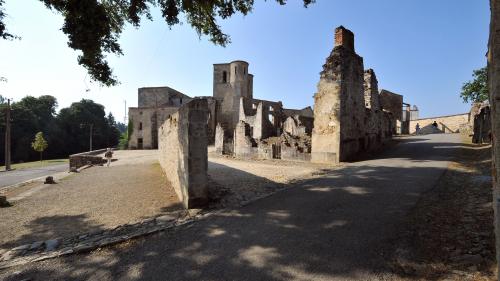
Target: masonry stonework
[[446, 124], [347, 107], [155, 105], [494, 90], [183, 152]]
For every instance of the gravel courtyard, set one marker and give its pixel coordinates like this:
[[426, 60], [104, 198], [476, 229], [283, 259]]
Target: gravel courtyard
[[131, 189]]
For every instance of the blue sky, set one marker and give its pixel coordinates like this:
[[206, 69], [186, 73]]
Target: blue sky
[[422, 49]]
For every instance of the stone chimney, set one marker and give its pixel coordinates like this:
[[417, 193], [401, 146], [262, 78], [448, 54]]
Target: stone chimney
[[344, 37]]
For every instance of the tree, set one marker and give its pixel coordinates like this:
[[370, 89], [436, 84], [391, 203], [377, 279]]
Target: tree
[[94, 26], [76, 138], [39, 144], [477, 89]]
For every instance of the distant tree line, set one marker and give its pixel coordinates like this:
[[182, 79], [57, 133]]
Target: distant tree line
[[66, 132]]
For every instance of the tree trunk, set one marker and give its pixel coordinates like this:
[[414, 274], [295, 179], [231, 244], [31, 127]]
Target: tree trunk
[[41, 157], [494, 91]]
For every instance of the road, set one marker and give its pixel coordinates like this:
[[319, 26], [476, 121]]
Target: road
[[18, 176], [338, 226]]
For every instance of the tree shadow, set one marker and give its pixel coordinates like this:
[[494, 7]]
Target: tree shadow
[[340, 226], [50, 227]]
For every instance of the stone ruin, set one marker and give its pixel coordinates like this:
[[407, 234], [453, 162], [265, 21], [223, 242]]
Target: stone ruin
[[480, 119], [350, 117], [183, 140], [254, 128]]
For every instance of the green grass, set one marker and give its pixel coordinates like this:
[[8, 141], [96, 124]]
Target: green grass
[[36, 164]]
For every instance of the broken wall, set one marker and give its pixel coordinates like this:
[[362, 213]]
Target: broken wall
[[482, 125], [339, 107], [393, 103], [183, 152]]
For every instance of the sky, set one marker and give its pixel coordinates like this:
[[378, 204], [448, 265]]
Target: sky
[[422, 49]]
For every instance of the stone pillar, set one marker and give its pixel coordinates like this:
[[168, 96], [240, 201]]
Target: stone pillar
[[339, 107], [219, 139], [371, 90], [183, 152], [494, 90]]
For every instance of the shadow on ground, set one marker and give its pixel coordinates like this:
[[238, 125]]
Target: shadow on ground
[[339, 226]]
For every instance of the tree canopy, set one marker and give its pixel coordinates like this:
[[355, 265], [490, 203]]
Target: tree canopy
[[94, 26], [63, 132], [477, 89]]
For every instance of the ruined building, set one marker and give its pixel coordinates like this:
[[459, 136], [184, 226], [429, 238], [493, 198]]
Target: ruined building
[[254, 128], [155, 105], [350, 115]]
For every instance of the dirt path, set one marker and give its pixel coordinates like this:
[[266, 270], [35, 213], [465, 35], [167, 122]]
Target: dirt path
[[450, 233], [94, 199]]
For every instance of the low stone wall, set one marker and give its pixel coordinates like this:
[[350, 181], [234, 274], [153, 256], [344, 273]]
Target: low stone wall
[[86, 158], [446, 124], [183, 152]]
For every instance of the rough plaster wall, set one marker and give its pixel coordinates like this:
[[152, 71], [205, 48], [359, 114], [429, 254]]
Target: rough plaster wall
[[147, 117], [183, 152], [228, 94], [326, 132], [339, 108], [144, 116], [219, 139], [242, 142], [371, 90], [160, 96], [447, 124], [494, 89]]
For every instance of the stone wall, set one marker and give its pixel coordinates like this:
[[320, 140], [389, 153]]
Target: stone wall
[[160, 97], [231, 81], [244, 145], [350, 116], [393, 103], [86, 158], [446, 124], [145, 122], [494, 90], [183, 152], [482, 125], [339, 103]]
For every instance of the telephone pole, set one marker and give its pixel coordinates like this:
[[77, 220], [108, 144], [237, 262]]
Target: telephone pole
[[7, 136], [91, 127], [125, 116]]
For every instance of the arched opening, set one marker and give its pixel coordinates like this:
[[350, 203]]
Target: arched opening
[[224, 77]]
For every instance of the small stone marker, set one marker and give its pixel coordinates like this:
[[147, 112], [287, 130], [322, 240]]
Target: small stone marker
[[3, 201], [49, 180]]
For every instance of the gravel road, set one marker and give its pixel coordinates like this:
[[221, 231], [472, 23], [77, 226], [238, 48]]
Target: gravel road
[[339, 226]]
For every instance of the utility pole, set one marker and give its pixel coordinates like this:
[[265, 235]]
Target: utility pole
[[91, 127], [7, 136], [125, 115]]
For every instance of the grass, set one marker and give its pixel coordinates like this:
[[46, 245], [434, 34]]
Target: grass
[[36, 164]]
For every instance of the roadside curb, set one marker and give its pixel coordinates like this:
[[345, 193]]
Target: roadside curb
[[87, 242], [56, 176]]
